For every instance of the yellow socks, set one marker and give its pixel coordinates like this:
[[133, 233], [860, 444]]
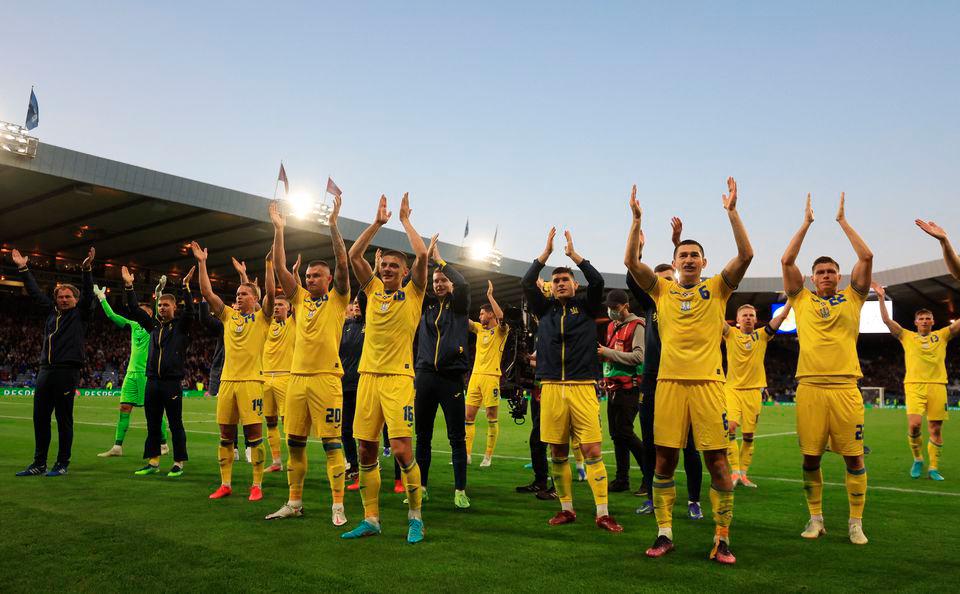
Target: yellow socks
[[597, 477], [722, 504], [336, 468], [273, 438], [934, 450], [411, 482], [493, 431], [296, 468], [813, 490], [577, 454], [370, 489], [155, 461], [746, 454], [563, 481], [916, 442], [664, 494], [471, 431], [857, 491], [733, 453], [257, 455], [225, 458]]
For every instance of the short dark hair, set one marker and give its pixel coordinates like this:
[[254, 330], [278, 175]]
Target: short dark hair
[[662, 267], [323, 263], [67, 287], [824, 260], [689, 242], [167, 297], [922, 311], [486, 307], [395, 254], [562, 270]]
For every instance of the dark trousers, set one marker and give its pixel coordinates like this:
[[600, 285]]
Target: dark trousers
[[349, 443], [692, 465], [622, 409], [435, 390], [54, 395], [164, 397], [538, 449]]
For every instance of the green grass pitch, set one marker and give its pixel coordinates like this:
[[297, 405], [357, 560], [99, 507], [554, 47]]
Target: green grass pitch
[[100, 528]]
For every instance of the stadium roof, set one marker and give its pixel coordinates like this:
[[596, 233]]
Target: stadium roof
[[62, 201]]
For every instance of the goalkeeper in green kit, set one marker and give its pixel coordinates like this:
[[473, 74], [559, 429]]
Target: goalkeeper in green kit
[[135, 379]]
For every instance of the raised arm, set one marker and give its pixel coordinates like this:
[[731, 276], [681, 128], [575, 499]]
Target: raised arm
[[206, 289], [642, 274], [288, 281], [361, 268], [341, 274], [189, 312], [29, 282], [497, 312], [418, 273], [461, 288], [133, 304], [241, 268], [117, 319], [792, 277], [778, 319], [536, 301], [270, 287], [676, 229], [862, 275], [736, 268], [594, 278], [295, 270], [950, 256], [895, 328], [86, 291]]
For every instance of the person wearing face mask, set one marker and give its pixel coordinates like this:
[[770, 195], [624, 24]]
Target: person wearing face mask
[[60, 361], [622, 358]]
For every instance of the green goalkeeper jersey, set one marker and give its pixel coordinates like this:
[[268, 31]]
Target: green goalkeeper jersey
[[139, 339]]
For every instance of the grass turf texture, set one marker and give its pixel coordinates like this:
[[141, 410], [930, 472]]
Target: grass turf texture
[[102, 528]]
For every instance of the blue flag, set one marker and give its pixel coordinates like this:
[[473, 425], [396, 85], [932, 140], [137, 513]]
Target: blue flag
[[33, 112], [466, 229]]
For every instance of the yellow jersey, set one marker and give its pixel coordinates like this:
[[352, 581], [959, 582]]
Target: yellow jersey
[[279, 346], [745, 354], [827, 329], [319, 328], [925, 356], [691, 322], [243, 338], [490, 343], [392, 320]]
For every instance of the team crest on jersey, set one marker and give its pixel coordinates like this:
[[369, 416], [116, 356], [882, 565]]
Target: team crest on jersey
[[384, 306], [685, 306], [574, 310], [824, 311], [748, 345]]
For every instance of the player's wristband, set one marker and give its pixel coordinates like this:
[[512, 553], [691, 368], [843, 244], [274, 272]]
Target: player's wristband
[[440, 262], [24, 269]]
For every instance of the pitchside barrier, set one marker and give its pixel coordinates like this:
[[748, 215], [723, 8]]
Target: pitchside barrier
[[15, 391]]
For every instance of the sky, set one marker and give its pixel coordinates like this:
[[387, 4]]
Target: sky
[[527, 115]]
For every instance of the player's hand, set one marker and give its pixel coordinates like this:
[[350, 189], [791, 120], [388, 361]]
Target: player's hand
[[841, 217], [377, 258], [337, 203], [276, 214], [548, 249], [676, 227], [490, 289], [730, 198], [88, 261], [405, 207], [100, 292], [600, 351], [880, 291], [808, 211], [189, 276], [540, 284], [433, 252], [127, 276], [568, 249], [929, 227], [201, 254], [635, 204], [296, 266], [18, 259], [240, 267], [383, 215]]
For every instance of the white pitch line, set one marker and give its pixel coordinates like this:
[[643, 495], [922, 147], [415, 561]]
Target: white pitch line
[[30, 404]]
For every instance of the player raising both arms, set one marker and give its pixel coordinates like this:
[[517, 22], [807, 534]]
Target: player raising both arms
[[484, 386], [829, 403], [691, 316], [746, 380], [241, 386], [314, 392], [925, 382], [385, 392]]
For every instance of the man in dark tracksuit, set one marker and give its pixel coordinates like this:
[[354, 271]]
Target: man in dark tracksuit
[[61, 359], [215, 327], [440, 366], [351, 347], [169, 339], [692, 465]]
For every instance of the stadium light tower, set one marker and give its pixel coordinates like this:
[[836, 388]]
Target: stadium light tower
[[304, 206], [489, 254], [15, 139]]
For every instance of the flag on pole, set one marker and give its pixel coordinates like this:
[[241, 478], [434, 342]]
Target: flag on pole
[[282, 177], [332, 188], [497, 230], [466, 229], [33, 112]]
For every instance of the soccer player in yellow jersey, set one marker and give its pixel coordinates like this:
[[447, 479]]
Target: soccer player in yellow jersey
[[691, 315], [925, 382], [829, 403], [277, 357], [240, 398], [314, 399], [484, 387], [385, 392], [746, 380]]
